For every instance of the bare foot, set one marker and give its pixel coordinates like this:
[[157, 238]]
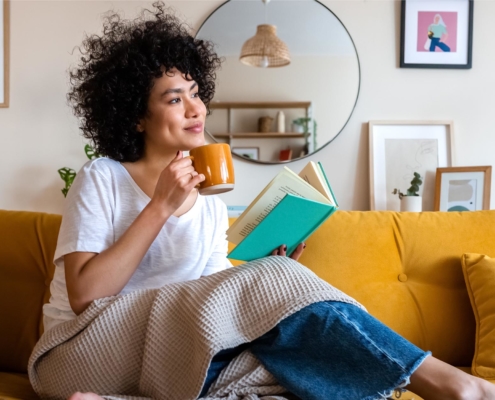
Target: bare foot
[[85, 396], [436, 380]]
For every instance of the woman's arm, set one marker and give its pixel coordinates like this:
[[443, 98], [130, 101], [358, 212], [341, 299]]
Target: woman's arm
[[91, 276]]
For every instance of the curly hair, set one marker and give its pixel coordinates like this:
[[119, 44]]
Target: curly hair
[[110, 87]]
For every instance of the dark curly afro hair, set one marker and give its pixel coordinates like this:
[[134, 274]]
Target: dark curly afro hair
[[111, 85]]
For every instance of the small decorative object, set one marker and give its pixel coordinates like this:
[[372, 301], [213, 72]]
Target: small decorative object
[[285, 155], [397, 149], [302, 124], [4, 53], [68, 174], [265, 124], [253, 153], [463, 188], [280, 122], [411, 200], [436, 34]]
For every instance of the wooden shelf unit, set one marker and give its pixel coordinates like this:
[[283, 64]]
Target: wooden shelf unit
[[232, 105]]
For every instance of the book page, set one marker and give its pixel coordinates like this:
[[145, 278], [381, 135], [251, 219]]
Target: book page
[[311, 174], [285, 182]]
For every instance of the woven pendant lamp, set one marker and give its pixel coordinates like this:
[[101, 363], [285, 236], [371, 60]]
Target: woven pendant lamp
[[265, 49]]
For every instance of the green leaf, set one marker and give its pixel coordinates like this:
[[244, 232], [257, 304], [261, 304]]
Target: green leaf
[[90, 152]]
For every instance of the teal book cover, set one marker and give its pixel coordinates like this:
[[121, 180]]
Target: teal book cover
[[328, 183], [291, 222]]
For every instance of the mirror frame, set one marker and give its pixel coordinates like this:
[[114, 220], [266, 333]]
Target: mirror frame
[[338, 133]]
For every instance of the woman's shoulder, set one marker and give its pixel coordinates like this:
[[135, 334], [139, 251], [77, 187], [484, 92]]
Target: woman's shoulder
[[102, 165]]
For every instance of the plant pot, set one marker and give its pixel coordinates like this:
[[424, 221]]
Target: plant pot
[[411, 203], [297, 128]]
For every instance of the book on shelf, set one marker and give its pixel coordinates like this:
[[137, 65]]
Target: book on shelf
[[287, 211]]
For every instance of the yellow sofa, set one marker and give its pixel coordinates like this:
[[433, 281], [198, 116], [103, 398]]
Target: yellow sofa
[[404, 267]]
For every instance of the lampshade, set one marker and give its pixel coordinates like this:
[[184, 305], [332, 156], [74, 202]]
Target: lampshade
[[265, 49]]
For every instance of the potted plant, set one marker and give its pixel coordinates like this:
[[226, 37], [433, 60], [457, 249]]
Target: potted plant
[[68, 174], [411, 200], [301, 125]]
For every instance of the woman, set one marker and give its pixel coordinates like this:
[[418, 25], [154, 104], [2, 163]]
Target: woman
[[134, 220], [438, 32]]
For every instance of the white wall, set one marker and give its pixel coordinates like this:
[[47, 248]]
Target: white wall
[[39, 134]]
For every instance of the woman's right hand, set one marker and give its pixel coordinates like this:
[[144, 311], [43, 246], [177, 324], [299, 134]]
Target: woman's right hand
[[175, 183]]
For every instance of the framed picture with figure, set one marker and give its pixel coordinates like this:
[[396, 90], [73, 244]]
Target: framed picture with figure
[[436, 34], [463, 188], [4, 52], [398, 149]]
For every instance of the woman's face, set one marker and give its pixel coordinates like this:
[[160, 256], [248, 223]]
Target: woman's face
[[176, 115], [437, 19]]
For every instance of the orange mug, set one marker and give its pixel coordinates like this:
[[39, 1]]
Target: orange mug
[[214, 161]]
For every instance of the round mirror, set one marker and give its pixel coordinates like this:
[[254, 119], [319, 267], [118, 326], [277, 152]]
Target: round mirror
[[289, 81]]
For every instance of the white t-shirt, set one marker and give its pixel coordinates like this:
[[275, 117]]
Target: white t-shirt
[[103, 202]]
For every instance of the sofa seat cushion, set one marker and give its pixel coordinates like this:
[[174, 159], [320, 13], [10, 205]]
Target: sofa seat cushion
[[16, 386]]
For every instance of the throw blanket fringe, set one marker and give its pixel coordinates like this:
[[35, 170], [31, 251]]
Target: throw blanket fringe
[[159, 343]]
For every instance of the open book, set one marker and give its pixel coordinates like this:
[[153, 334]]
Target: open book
[[287, 211]]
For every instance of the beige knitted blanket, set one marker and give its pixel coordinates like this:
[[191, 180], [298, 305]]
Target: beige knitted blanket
[[159, 343]]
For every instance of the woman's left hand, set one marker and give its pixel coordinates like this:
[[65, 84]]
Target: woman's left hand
[[282, 251]]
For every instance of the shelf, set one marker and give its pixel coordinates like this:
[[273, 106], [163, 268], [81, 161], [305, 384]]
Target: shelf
[[272, 104], [267, 135]]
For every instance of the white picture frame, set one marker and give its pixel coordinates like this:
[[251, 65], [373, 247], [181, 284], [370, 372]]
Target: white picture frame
[[397, 149], [251, 153]]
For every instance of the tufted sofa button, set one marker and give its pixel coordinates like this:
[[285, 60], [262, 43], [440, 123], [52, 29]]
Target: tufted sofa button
[[402, 277]]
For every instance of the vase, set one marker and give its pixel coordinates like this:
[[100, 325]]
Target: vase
[[280, 122], [411, 203]]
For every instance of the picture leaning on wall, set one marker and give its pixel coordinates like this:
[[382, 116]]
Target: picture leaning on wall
[[463, 188], [436, 34], [400, 148]]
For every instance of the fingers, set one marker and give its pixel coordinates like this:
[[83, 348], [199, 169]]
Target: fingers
[[282, 251], [298, 251]]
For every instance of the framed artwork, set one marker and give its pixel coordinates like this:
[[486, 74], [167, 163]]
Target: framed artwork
[[253, 153], [400, 148], [463, 188], [436, 34], [4, 53]]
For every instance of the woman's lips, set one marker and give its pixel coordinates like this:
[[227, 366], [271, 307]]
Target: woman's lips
[[195, 128]]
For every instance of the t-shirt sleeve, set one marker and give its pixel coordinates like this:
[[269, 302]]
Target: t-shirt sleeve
[[87, 221], [218, 260]]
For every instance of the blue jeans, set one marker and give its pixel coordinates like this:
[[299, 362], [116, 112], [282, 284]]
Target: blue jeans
[[331, 350], [435, 42]]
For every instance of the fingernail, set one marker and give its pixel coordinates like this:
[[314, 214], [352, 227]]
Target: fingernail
[[304, 246], [285, 248]]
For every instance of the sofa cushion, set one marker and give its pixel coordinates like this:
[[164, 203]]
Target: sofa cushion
[[479, 273], [27, 245]]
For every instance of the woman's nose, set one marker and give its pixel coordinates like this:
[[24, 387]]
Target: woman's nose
[[193, 107]]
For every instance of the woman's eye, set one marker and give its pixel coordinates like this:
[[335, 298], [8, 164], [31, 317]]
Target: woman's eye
[[196, 94], [174, 101]]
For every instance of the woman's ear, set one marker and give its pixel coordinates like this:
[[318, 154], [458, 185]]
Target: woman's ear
[[140, 128]]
